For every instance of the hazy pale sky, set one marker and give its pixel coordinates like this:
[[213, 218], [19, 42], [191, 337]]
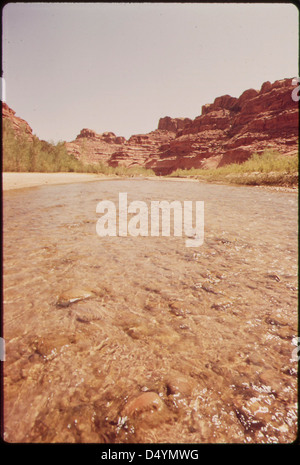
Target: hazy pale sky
[[121, 66]]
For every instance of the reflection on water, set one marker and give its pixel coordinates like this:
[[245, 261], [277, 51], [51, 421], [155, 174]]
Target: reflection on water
[[141, 339]]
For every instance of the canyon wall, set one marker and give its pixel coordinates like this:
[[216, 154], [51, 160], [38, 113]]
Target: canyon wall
[[231, 129], [228, 130]]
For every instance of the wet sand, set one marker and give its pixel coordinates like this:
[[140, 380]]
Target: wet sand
[[142, 339]]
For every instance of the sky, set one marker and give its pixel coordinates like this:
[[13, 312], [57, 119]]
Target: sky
[[120, 67]]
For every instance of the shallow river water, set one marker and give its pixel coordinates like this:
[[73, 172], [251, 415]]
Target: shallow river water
[[142, 339]]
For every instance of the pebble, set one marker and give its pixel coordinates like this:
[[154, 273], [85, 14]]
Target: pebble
[[179, 385], [149, 402], [70, 296]]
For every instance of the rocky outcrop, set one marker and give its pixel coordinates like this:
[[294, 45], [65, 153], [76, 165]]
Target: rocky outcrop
[[19, 125], [232, 129], [173, 124], [91, 147], [142, 147], [113, 150]]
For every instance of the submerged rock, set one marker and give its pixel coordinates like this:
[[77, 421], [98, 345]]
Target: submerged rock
[[50, 345], [70, 296], [179, 385], [148, 402]]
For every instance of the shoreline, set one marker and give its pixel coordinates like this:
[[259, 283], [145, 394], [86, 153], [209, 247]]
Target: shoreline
[[16, 180], [12, 181]]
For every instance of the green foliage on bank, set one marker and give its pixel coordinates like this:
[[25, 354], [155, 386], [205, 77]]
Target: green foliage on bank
[[21, 155], [270, 167]]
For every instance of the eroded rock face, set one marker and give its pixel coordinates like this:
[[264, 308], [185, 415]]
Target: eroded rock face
[[229, 130], [91, 147], [142, 149], [232, 129], [173, 124]]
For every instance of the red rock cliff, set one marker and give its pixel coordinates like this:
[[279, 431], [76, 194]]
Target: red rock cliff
[[228, 130], [91, 147], [232, 129], [19, 125]]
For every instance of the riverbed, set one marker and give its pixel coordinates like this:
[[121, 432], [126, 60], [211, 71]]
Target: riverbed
[[143, 339]]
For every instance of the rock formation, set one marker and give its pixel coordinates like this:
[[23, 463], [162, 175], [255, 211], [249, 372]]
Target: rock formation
[[91, 147], [19, 125], [137, 150], [228, 130], [232, 129]]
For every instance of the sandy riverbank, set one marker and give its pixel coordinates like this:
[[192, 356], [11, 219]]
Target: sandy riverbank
[[21, 180]]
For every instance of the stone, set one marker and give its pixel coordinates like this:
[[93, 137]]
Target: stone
[[70, 296], [148, 402], [179, 385], [48, 347]]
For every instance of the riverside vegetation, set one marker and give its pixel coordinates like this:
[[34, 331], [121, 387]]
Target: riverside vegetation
[[22, 155], [269, 168]]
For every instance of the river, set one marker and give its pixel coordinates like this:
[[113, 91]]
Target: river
[[156, 342]]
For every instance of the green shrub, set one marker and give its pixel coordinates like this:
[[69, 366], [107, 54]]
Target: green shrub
[[22, 155], [270, 167]]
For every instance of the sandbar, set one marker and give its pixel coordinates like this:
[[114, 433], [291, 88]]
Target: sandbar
[[22, 180]]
